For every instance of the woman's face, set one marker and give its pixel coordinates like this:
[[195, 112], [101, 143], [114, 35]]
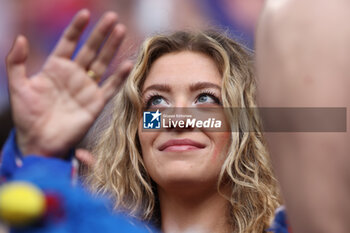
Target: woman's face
[[183, 157]]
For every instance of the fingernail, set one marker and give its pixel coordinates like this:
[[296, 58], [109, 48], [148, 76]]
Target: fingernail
[[18, 38], [84, 11]]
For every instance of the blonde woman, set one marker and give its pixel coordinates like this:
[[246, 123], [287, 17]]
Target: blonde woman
[[181, 180]]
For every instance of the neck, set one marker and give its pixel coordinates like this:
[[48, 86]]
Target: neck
[[207, 212]]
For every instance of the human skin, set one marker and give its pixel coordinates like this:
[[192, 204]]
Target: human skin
[[53, 109], [302, 61], [186, 177]]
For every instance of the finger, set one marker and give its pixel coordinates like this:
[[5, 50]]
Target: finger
[[85, 157], [115, 81], [88, 52], [69, 40], [16, 61], [108, 51]]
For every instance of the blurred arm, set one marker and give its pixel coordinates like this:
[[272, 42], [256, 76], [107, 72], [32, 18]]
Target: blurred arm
[[303, 60]]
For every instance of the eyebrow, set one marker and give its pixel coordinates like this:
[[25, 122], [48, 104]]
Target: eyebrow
[[193, 87], [158, 87], [202, 85]]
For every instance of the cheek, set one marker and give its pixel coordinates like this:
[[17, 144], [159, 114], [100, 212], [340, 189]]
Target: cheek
[[221, 143], [146, 140]]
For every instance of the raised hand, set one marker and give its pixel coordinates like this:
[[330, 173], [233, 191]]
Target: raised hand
[[53, 109]]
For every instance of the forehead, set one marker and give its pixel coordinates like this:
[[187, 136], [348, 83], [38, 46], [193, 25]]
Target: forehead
[[183, 68]]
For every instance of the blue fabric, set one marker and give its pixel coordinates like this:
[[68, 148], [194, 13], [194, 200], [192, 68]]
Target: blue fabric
[[8, 157], [280, 225], [76, 211], [11, 153], [217, 10]]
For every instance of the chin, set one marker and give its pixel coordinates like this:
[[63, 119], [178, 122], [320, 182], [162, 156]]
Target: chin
[[185, 177]]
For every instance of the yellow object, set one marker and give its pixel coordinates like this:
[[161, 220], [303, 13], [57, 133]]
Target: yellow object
[[21, 203]]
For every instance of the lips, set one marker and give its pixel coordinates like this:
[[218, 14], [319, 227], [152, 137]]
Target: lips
[[181, 145]]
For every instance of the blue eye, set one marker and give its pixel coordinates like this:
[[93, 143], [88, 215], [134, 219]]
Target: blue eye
[[207, 98], [156, 100], [204, 98]]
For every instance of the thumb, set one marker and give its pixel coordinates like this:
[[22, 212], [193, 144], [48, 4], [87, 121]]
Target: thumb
[[16, 59], [85, 157]]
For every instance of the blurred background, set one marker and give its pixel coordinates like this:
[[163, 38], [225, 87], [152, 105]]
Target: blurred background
[[42, 22]]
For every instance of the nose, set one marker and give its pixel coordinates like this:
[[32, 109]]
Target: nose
[[181, 102]]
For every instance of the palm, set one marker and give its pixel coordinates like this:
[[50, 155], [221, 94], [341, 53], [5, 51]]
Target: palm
[[53, 109]]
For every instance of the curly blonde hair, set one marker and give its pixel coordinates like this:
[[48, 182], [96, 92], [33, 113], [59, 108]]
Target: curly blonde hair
[[120, 171]]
